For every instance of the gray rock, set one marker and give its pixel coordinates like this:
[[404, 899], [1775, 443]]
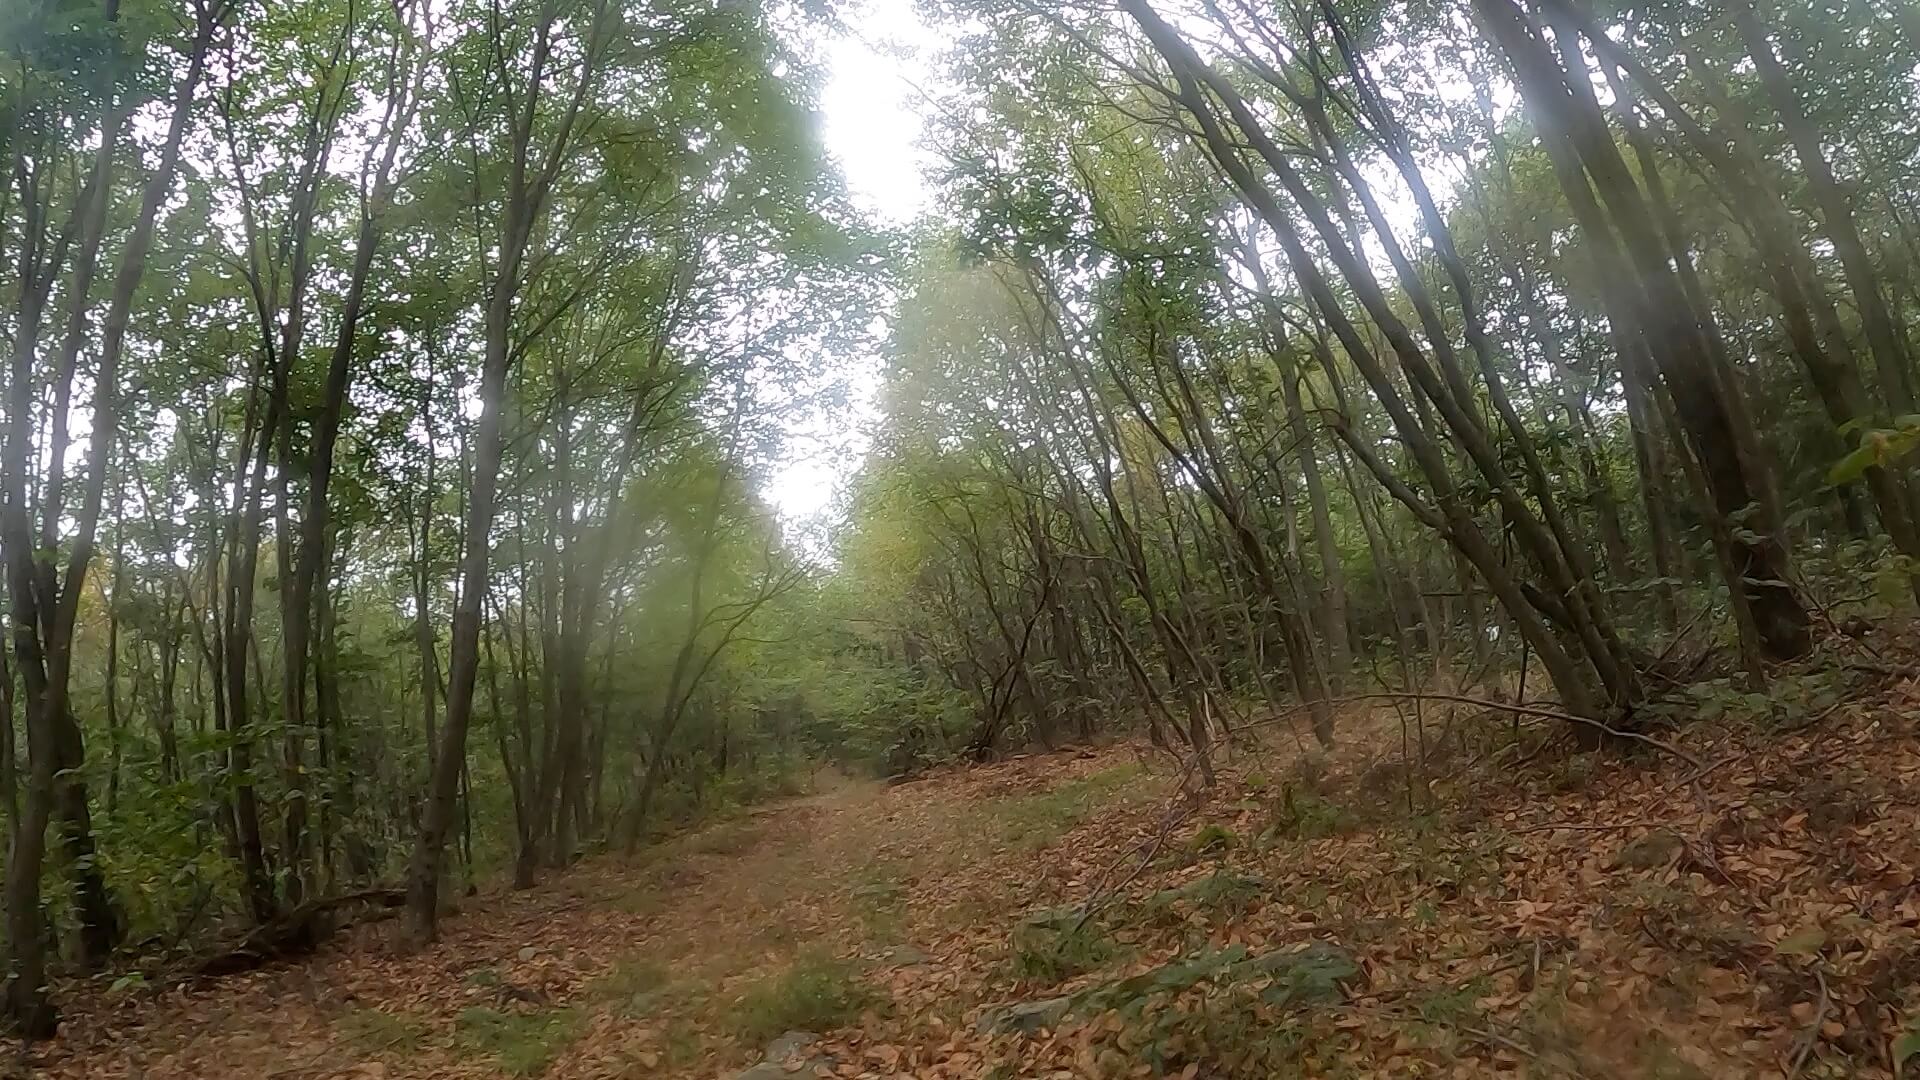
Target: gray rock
[[788, 1045], [1313, 975], [1652, 851], [877, 892], [528, 953], [1026, 1017], [777, 1070], [906, 956], [781, 1052]]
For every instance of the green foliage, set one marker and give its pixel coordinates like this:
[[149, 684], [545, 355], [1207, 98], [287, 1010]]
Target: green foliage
[[636, 984], [1789, 701], [1122, 464], [816, 993], [1303, 815], [1451, 1005], [1879, 448], [1050, 946], [1224, 893], [1036, 820], [1212, 839], [380, 1033], [631, 552], [520, 1043], [1907, 1044], [1238, 1013], [1131, 995]]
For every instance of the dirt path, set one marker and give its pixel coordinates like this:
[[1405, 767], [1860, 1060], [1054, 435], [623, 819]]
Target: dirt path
[[631, 967], [1752, 910]]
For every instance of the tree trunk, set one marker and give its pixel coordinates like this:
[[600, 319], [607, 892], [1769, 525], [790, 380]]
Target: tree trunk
[[1651, 299]]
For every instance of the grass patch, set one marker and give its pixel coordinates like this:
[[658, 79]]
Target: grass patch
[[1303, 815], [1448, 1005], [1444, 862], [635, 983], [815, 993], [522, 1044], [727, 838], [1036, 820], [680, 1044], [1224, 894], [877, 901], [378, 1033], [1213, 839], [1056, 945], [644, 901]]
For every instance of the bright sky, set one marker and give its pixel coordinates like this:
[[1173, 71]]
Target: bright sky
[[872, 106], [880, 71]]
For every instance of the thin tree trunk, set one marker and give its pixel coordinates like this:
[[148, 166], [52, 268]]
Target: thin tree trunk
[[1651, 299]]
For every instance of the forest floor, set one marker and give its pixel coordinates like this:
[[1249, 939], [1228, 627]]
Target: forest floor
[[1743, 904]]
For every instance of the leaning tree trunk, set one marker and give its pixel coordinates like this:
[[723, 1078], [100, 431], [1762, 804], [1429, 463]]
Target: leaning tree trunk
[[1647, 295]]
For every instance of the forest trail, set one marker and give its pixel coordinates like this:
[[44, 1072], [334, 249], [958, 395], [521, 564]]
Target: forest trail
[[621, 967], [1748, 912]]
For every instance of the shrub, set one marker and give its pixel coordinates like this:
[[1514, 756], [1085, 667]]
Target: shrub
[[1302, 815]]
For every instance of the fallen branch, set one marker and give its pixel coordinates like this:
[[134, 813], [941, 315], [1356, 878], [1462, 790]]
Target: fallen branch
[[294, 933], [1875, 667], [1812, 1035], [1576, 827], [1485, 1034], [1699, 773], [1503, 706], [1180, 806]]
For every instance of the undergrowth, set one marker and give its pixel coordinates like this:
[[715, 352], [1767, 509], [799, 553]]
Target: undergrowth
[[817, 993], [377, 1032], [635, 984], [1055, 945], [1304, 815], [521, 1043], [1034, 821]]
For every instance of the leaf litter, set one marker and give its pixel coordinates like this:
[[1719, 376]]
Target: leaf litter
[[1753, 915]]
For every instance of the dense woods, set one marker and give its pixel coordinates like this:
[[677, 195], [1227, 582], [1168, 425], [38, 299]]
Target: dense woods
[[389, 386], [1290, 354], [394, 393]]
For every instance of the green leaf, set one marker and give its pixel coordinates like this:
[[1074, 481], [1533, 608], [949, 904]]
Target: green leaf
[[1908, 1044], [1850, 468], [1806, 942]]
